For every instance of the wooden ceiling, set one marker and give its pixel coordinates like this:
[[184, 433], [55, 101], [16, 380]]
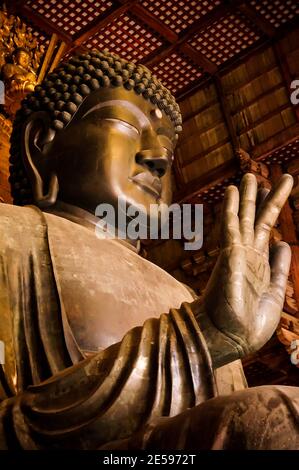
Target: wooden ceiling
[[229, 63], [183, 42]]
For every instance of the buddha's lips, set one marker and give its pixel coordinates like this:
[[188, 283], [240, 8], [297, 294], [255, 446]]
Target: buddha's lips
[[149, 183]]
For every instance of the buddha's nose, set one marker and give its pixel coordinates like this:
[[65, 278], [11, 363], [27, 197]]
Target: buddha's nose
[[156, 161]]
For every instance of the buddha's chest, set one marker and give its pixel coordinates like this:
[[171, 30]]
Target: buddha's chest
[[105, 288]]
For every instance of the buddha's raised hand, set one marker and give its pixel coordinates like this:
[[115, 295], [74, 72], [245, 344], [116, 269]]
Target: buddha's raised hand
[[244, 297]]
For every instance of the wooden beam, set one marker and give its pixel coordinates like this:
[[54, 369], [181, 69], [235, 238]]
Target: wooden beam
[[181, 39], [283, 66], [178, 174], [206, 152], [256, 18], [158, 55], [244, 55], [259, 46], [214, 15], [226, 113], [193, 87], [42, 23], [202, 130], [48, 57], [194, 188], [199, 59], [176, 42], [195, 56], [278, 141], [195, 112], [99, 23], [239, 108], [293, 167], [58, 56], [258, 74], [154, 23], [265, 117]]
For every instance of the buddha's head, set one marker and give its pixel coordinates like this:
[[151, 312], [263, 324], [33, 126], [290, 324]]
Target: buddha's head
[[97, 129], [22, 57]]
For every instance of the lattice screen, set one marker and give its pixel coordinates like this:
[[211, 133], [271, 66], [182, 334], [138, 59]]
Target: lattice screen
[[42, 38], [283, 155], [225, 38], [70, 15], [289, 152], [277, 12], [179, 14], [182, 41], [216, 193], [176, 72], [127, 37]]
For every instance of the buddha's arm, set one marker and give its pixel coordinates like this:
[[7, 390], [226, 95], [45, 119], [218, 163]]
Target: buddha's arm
[[159, 369]]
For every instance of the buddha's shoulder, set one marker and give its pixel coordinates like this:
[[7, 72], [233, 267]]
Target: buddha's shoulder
[[25, 215], [20, 225]]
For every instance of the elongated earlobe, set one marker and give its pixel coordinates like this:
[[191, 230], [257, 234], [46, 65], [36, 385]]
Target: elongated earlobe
[[37, 133]]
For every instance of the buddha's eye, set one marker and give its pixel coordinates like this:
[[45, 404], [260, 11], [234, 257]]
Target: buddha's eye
[[126, 125]]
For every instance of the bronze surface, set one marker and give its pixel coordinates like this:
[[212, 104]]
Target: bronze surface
[[116, 351]]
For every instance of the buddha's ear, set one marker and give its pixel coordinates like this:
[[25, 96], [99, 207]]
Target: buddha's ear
[[36, 137]]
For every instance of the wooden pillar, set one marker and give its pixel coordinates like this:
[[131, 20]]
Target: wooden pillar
[[288, 232]]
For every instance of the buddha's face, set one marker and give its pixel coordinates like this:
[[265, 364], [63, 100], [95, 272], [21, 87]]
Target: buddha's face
[[118, 145], [23, 59]]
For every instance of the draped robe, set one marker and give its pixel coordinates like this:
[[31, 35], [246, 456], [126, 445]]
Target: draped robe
[[91, 316], [95, 357]]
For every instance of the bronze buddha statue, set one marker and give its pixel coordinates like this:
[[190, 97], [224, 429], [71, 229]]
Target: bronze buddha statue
[[103, 349]]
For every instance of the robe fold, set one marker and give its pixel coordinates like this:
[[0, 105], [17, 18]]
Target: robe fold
[[95, 358], [68, 395]]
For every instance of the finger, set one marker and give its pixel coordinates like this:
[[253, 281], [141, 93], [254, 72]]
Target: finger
[[280, 266], [248, 192], [262, 193], [230, 221], [260, 199], [270, 211], [271, 303]]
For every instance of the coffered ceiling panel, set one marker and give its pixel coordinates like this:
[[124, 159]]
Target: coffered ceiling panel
[[225, 38], [70, 15], [182, 41], [179, 14], [127, 37]]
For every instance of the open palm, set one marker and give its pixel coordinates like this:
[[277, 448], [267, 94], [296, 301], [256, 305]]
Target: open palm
[[245, 295]]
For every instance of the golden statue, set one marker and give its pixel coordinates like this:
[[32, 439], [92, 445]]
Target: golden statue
[[103, 349], [20, 56], [19, 76]]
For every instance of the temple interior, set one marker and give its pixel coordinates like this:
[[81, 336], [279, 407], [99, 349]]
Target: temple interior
[[233, 67]]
